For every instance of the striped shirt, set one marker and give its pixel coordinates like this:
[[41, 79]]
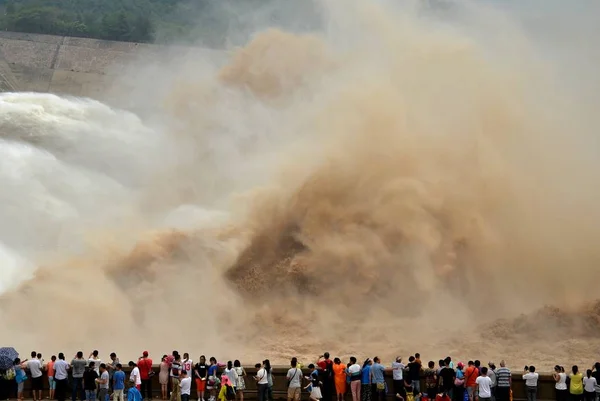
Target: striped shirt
[[503, 377]]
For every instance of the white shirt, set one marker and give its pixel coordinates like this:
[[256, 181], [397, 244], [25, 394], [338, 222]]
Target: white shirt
[[186, 385], [187, 366], [561, 384], [135, 376], [398, 370], [262, 376], [353, 369], [232, 375], [294, 375], [35, 367], [60, 369], [531, 379], [485, 386], [589, 384], [97, 363]]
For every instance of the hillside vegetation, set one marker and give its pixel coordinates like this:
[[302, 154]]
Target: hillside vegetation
[[124, 20]]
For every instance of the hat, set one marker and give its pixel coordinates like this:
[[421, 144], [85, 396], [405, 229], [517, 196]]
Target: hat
[[145, 353], [460, 365], [224, 379]]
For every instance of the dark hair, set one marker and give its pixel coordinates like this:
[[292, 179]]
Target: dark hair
[[202, 357], [557, 368], [447, 360], [229, 364], [186, 355], [95, 353], [366, 362], [575, 369], [484, 370], [532, 369], [477, 363], [470, 363], [294, 362], [258, 366], [411, 359], [184, 372], [102, 366], [119, 366], [597, 366], [61, 356], [33, 354], [337, 360], [53, 358], [79, 354], [431, 364], [376, 359], [311, 366], [113, 355], [267, 364], [39, 355], [417, 355], [237, 363], [17, 361], [589, 373], [131, 364], [441, 362], [326, 355], [92, 364], [213, 359], [353, 359]]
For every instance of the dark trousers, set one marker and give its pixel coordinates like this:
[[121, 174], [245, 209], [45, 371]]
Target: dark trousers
[[458, 394], [185, 397], [589, 395], [502, 393], [61, 389], [147, 389], [562, 395], [76, 386], [262, 391]]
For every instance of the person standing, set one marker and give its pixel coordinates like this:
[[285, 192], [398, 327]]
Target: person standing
[[471, 375], [484, 385], [90, 380], [339, 377], [397, 376], [560, 387], [576, 385], [134, 376], [146, 373], [325, 365], [186, 386], [447, 375], [60, 377], [175, 375], [355, 378], [103, 383], [294, 380], [187, 364], [34, 366], [531, 381], [78, 365], [112, 368], [589, 386], [163, 377], [51, 382], [503, 382], [96, 359], [378, 379], [240, 383], [201, 375], [118, 383], [431, 380], [262, 383], [365, 390], [492, 375]]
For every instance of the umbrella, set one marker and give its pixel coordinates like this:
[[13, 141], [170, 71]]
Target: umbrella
[[7, 357]]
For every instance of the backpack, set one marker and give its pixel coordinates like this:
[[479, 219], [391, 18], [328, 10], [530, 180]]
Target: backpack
[[410, 396], [230, 393], [327, 373]]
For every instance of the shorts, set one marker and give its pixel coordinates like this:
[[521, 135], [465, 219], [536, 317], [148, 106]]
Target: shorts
[[293, 393], [37, 383], [51, 383], [470, 391], [315, 394], [200, 385]]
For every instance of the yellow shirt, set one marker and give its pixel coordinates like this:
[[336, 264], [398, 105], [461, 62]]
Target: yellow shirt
[[576, 383]]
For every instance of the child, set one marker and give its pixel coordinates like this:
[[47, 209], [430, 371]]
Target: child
[[227, 392], [314, 386]]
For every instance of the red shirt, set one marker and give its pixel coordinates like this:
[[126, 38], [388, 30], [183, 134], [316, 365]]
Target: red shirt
[[145, 366], [470, 376], [323, 363]]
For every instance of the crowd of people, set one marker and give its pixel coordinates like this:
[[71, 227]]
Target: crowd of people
[[91, 379]]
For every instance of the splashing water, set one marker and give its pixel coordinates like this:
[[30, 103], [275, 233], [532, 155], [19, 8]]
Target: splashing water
[[387, 183]]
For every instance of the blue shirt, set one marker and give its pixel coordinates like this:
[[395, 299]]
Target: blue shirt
[[366, 375], [119, 380], [378, 370], [212, 370], [460, 374]]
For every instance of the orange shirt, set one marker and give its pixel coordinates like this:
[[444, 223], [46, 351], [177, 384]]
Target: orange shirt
[[50, 369], [470, 376]]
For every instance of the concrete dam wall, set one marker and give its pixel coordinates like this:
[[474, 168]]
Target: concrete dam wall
[[67, 65]]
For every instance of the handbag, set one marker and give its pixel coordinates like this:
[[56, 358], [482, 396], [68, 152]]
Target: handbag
[[459, 382]]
